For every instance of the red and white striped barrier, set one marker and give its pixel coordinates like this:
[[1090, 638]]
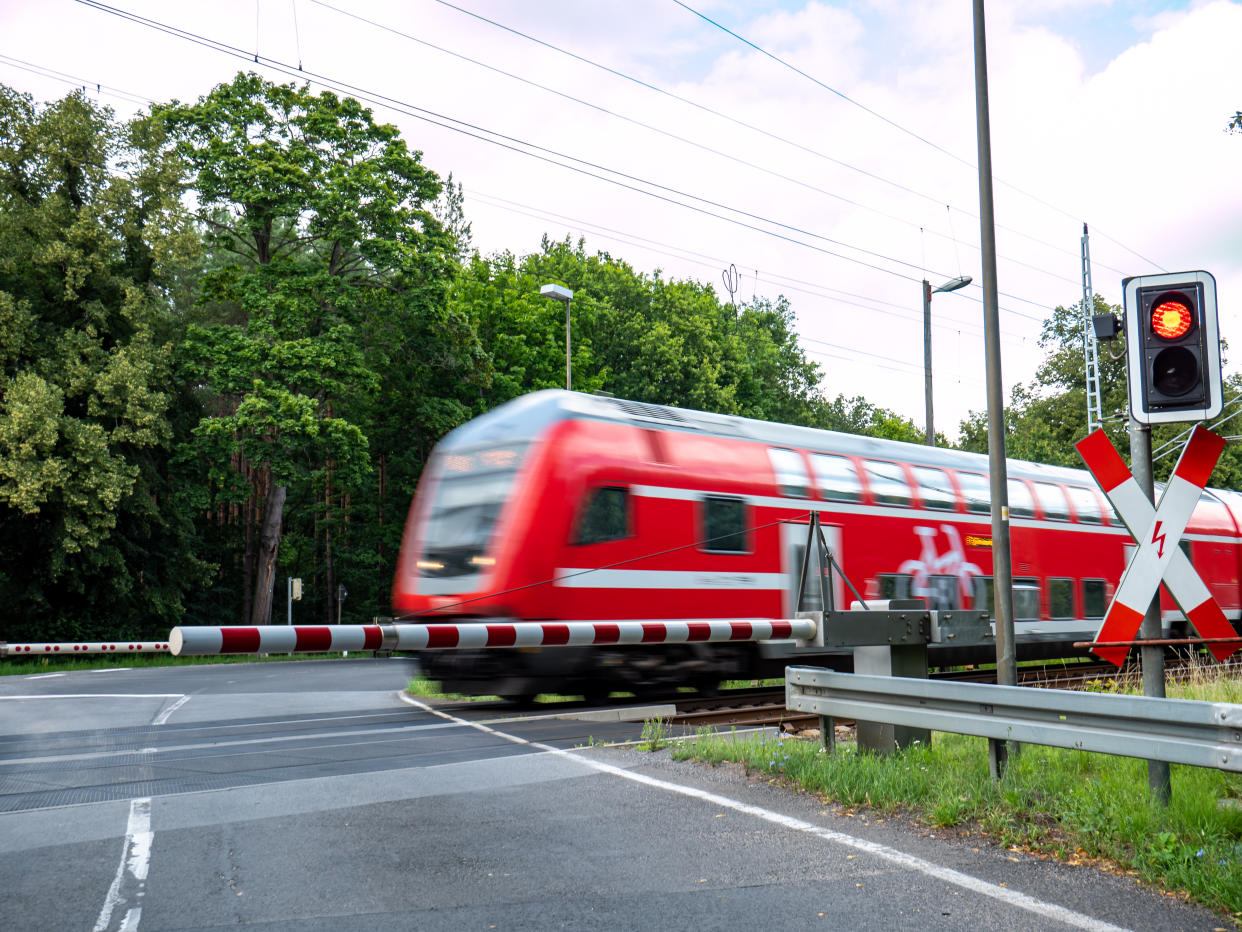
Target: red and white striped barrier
[[277, 639], [1157, 531], [83, 647]]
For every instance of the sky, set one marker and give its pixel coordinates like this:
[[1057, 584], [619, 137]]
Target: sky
[[826, 151]]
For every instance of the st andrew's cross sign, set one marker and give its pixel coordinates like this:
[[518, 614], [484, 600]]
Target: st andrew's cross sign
[[1157, 531]]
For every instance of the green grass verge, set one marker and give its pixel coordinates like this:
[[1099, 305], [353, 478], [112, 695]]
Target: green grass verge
[[1072, 805]]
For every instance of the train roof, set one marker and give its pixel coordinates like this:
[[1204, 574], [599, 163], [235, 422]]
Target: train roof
[[525, 417]]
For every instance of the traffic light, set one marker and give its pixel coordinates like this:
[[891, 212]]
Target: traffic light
[[1173, 347]]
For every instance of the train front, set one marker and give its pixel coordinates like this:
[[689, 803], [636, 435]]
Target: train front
[[454, 560]]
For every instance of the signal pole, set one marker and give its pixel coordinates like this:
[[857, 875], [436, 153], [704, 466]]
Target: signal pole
[[1152, 628], [1002, 562]]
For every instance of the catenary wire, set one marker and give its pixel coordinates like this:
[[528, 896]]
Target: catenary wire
[[667, 134], [756, 129], [898, 126], [515, 145]]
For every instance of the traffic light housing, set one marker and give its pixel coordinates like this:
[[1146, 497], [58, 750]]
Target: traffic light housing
[[1173, 347]]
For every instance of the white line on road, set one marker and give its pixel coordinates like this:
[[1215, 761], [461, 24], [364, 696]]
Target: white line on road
[[948, 875], [43, 676], [215, 744], [130, 884], [162, 718]]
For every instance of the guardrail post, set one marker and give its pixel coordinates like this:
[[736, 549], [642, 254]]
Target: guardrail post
[[908, 660]]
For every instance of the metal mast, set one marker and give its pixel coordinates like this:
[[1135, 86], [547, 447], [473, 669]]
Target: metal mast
[[1095, 414]]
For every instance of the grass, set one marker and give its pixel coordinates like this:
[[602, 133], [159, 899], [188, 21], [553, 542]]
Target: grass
[[13, 666], [1072, 805]]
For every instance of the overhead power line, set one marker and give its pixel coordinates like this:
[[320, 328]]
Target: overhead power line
[[897, 126], [935, 199], [533, 150], [540, 153], [895, 218]]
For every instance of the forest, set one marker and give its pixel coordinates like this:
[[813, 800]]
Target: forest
[[232, 331]]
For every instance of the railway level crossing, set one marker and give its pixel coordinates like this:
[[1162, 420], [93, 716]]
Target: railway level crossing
[[1157, 530]]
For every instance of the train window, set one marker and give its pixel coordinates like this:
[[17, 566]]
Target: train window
[[1026, 600], [1052, 501], [934, 488], [606, 516], [838, 481], [895, 585], [982, 599], [977, 490], [724, 525], [945, 593], [1021, 505], [1086, 505], [888, 482], [791, 475], [1093, 603], [1061, 598]]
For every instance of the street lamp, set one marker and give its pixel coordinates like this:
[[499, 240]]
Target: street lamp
[[561, 293], [951, 285]]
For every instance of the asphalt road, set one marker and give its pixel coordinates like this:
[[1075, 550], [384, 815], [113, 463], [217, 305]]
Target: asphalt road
[[309, 796]]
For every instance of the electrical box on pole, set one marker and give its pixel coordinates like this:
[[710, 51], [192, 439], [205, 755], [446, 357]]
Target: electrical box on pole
[[1173, 347]]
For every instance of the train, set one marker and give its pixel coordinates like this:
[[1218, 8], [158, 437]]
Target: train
[[567, 506]]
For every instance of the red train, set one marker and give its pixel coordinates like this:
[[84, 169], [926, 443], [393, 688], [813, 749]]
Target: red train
[[567, 506]]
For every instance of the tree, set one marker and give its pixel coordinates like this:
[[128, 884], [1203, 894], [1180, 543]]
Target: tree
[[321, 225], [641, 337], [95, 537]]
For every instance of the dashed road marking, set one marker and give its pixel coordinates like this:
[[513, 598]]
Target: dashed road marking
[[124, 900]]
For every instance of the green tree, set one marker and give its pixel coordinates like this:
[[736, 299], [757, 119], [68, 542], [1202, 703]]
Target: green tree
[[637, 336], [322, 234], [96, 540]]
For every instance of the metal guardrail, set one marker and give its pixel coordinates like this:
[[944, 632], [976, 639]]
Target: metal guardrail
[[1180, 731]]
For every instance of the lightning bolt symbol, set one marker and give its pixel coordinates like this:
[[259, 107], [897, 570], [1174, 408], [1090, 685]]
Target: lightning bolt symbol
[[1158, 538]]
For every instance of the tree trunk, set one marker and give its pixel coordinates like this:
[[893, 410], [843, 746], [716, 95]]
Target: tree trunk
[[248, 558], [329, 579], [269, 547]]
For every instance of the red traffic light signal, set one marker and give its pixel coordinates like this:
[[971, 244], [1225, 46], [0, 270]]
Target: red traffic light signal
[[1173, 345], [1171, 317]]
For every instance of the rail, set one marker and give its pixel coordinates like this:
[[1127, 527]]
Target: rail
[[1180, 731]]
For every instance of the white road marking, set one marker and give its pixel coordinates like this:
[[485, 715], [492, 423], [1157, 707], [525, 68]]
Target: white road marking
[[96, 695], [1031, 904], [111, 669], [130, 884], [162, 718], [43, 676], [212, 743]]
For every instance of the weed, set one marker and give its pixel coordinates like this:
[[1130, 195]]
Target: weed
[[654, 735]]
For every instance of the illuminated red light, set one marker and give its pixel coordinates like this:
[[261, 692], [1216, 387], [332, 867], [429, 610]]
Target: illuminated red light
[[1170, 319]]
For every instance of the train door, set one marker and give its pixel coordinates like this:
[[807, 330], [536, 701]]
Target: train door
[[793, 550]]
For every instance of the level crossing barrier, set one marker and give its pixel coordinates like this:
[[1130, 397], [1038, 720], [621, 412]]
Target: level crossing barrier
[[1180, 731], [264, 639], [78, 648]]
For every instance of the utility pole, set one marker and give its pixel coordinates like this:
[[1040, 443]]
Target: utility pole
[[1002, 562]]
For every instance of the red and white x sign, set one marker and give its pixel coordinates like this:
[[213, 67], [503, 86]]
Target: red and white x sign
[[1157, 531]]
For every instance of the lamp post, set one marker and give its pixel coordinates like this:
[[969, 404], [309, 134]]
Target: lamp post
[[951, 285], [561, 293]]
